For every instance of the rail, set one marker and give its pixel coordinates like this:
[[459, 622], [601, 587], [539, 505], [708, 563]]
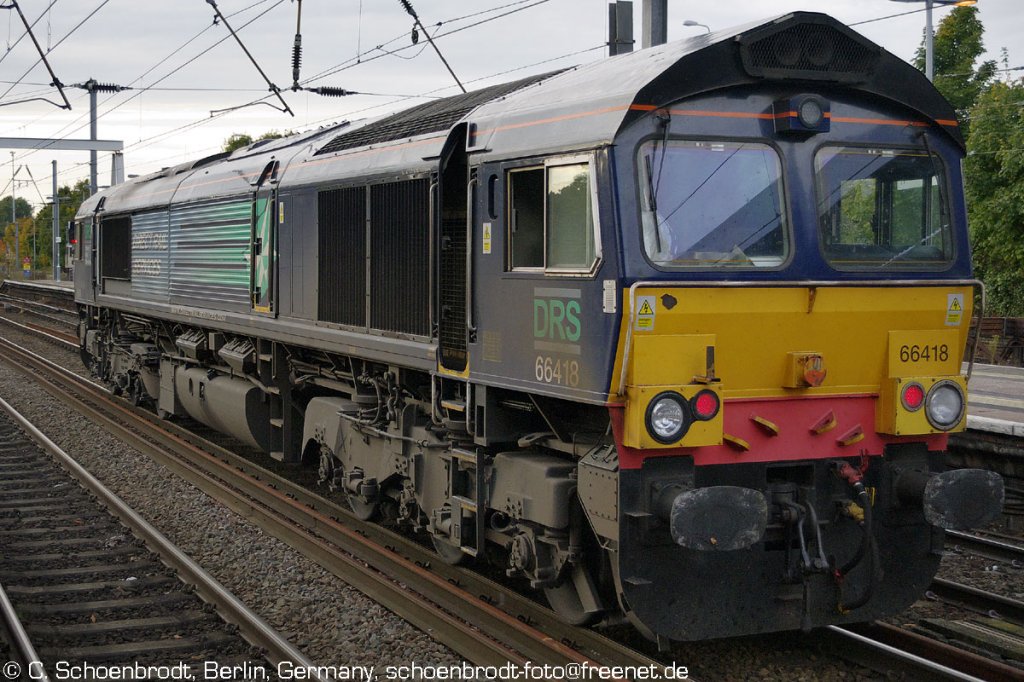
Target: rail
[[257, 631], [454, 605], [20, 643]]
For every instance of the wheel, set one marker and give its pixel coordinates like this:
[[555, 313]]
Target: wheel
[[364, 511], [136, 391], [565, 602], [449, 553]]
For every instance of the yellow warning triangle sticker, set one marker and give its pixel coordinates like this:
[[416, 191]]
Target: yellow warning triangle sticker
[[955, 305], [645, 309]]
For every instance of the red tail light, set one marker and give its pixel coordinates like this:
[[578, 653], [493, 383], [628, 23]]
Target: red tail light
[[912, 397], [705, 405]]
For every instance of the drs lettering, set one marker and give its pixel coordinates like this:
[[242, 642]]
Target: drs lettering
[[556, 319]]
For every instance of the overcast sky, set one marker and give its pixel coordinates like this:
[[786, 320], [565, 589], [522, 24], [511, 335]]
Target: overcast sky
[[138, 43]]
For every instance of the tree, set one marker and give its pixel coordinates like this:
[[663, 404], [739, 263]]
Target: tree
[[22, 209], [23, 214], [958, 45], [239, 140], [995, 193], [71, 199]]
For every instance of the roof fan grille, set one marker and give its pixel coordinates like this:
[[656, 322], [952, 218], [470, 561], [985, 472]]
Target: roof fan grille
[[810, 51]]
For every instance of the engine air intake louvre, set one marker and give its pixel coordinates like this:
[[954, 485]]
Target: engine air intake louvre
[[431, 117], [400, 257], [452, 316], [115, 248], [342, 276], [809, 50]]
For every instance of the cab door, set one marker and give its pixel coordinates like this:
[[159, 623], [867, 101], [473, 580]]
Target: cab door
[[86, 267], [263, 241]]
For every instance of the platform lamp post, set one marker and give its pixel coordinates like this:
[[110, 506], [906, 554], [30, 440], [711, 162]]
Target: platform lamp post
[[691, 22], [929, 34], [14, 218]]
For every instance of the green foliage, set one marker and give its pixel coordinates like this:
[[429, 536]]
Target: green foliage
[[22, 209], [37, 231], [995, 195], [958, 45], [70, 200], [239, 140], [856, 221]]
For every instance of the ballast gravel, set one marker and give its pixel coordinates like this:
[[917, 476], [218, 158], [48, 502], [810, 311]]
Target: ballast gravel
[[332, 623]]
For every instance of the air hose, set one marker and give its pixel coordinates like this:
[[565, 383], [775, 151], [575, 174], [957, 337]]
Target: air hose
[[868, 548]]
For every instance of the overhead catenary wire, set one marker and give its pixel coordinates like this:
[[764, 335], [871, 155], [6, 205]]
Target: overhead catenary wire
[[181, 47], [273, 88], [42, 57], [431, 93], [31, 177], [528, 4], [415, 17], [140, 91], [10, 47], [520, 5]]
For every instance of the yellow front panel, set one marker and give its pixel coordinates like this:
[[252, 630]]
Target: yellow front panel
[[669, 358], [756, 329]]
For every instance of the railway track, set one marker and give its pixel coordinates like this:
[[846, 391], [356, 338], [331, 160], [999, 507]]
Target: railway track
[[87, 582], [53, 305], [898, 653], [63, 339], [336, 538], [483, 621], [999, 549], [979, 601]]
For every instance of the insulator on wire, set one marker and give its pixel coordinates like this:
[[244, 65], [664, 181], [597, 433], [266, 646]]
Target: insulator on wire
[[296, 57], [408, 8], [332, 92], [415, 35], [93, 86]]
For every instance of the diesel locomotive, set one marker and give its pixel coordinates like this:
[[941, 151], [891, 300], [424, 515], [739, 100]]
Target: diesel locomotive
[[674, 336]]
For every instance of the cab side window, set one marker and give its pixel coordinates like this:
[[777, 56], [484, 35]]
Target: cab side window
[[526, 219], [551, 219]]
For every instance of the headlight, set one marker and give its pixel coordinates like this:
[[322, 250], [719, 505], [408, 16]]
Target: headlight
[[668, 417], [944, 406]]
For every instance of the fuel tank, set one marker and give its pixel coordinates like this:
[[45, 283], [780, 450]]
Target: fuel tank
[[229, 405]]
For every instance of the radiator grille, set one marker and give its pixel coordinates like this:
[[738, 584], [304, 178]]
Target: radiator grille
[[342, 276], [115, 247], [438, 115], [400, 257], [452, 326]]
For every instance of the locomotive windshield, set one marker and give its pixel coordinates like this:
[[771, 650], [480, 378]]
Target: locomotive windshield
[[714, 204], [882, 209]]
